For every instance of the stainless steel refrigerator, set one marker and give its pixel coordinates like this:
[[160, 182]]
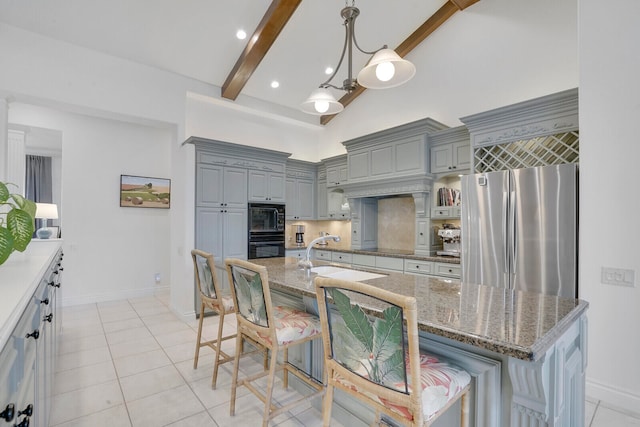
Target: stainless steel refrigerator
[[520, 228]]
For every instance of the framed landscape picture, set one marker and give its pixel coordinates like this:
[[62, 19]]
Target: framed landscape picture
[[145, 192]]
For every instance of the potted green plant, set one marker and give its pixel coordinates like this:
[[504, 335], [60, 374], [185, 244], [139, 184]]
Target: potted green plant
[[17, 216]]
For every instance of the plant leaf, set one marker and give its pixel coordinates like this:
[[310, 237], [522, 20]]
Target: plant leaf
[[25, 204], [4, 193], [6, 243], [388, 333], [20, 224], [355, 319]]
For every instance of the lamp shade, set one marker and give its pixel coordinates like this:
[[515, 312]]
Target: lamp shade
[[47, 210], [321, 102], [386, 69]]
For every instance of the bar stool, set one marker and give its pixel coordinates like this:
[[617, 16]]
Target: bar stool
[[377, 359], [211, 297], [274, 327]]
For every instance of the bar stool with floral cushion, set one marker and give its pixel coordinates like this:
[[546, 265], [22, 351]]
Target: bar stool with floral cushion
[[212, 297], [274, 327], [371, 348]]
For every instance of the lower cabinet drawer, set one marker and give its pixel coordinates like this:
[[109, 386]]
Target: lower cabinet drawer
[[325, 255], [418, 267], [387, 263], [341, 257], [364, 260], [449, 270]]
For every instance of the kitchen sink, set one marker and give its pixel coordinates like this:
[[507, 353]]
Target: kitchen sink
[[345, 273]]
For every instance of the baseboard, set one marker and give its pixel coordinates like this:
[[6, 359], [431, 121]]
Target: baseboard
[[111, 296], [613, 397]]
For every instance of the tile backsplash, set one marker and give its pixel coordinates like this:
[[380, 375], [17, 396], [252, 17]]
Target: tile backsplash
[[396, 223], [313, 229]]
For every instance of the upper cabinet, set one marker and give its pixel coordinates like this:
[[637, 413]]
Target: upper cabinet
[[391, 154], [322, 198], [337, 170], [234, 174], [266, 186], [220, 186], [450, 151], [300, 190]]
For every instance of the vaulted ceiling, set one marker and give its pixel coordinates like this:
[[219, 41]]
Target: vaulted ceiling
[[290, 41]]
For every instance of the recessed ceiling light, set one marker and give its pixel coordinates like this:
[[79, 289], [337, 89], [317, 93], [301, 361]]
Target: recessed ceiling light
[[275, 84], [241, 35], [328, 70]]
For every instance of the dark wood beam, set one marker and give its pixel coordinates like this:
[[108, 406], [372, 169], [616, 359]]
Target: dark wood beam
[[417, 37], [259, 44]]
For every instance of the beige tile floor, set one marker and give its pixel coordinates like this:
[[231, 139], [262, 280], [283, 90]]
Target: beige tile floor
[[130, 363]]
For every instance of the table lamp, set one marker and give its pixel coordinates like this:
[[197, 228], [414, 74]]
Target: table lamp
[[45, 211]]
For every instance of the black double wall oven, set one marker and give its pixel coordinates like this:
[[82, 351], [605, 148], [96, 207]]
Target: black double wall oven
[[266, 230]]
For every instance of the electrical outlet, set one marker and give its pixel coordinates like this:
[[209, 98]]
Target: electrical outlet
[[157, 278], [618, 276]]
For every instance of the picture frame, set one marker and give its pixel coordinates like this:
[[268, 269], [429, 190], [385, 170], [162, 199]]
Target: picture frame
[[145, 192]]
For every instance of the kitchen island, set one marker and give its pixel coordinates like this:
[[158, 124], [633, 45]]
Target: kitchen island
[[526, 352]]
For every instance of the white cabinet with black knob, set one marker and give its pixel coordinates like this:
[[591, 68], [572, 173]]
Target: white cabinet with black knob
[[29, 329]]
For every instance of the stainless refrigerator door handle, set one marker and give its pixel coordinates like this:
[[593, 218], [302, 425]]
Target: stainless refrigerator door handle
[[513, 245], [505, 231]]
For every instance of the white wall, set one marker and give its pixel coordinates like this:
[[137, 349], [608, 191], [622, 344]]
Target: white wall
[[223, 121], [609, 226], [110, 252]]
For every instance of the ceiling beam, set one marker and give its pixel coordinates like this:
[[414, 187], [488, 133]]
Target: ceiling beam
[[423, 31], [259, 44]]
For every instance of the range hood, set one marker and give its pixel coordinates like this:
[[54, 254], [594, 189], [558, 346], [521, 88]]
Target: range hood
[[389, 187]]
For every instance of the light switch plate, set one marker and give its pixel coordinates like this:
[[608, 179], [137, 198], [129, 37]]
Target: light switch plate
[[618, 276]]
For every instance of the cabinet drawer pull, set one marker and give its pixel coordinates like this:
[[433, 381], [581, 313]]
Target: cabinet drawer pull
[[23, 423], [35, 334], [28, 411], [8, 412], [45, 301], [48, 317]]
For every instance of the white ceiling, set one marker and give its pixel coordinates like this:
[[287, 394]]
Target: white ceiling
[[196, 38]]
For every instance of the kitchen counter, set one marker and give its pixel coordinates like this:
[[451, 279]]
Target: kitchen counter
[[516, 324], [20, 275], [525, 352], [391, 253]]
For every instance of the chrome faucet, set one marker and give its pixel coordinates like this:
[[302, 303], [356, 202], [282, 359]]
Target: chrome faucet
[[306, 263]]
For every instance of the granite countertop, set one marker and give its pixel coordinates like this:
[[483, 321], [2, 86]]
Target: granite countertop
[[522, 325], [392, 253]]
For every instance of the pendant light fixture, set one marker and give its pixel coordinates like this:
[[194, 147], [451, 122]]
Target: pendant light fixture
[[385, 69]]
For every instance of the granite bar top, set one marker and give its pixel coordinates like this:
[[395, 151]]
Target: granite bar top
[[518, 324], [392, 253]]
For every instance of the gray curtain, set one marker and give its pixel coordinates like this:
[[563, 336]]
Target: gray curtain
[[38, 185]]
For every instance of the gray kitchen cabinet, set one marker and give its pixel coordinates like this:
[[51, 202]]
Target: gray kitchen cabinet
[[341, 258], [364, 223], [322, 199], [221, 186], [445, 212], [266, 186], [322, 254], [300, 199], [223, 233], [412, 266], [296, 253], [337, 204], [392, 154], [447, 269], [423, 235], [450, 151], [337, 171], [300, 190]]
